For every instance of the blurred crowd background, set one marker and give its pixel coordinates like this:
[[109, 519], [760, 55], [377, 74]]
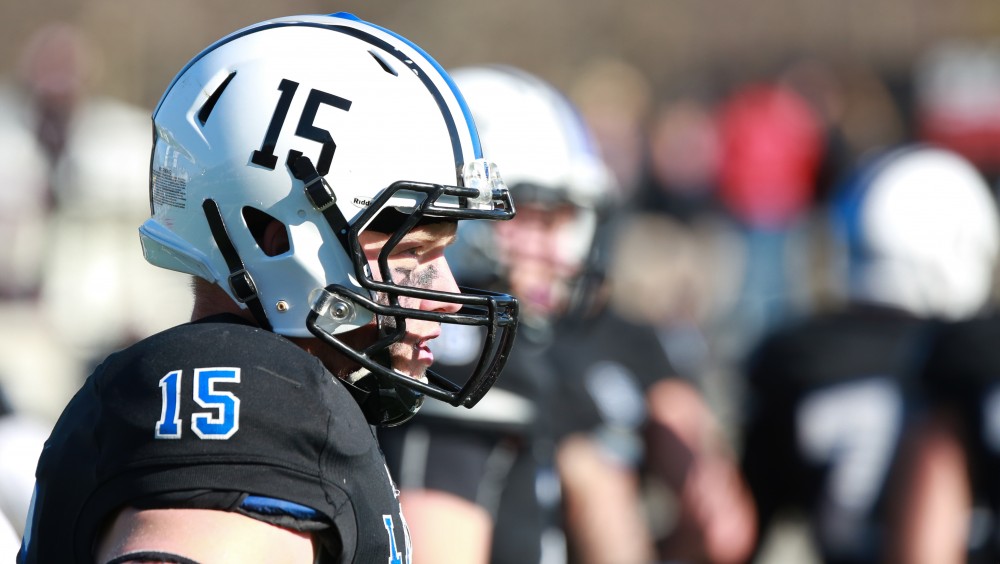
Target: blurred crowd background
[[728, 124], [696, 105]]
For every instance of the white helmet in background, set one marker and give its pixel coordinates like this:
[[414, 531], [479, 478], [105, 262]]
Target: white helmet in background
[[549, 159], [922, 233], [329, 125]]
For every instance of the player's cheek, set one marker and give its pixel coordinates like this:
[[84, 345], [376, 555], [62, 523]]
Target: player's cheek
[[444, 280]]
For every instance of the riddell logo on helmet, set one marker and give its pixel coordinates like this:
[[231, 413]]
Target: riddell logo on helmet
[[362, 203]]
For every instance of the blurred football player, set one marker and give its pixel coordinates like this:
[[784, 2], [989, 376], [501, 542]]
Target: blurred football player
[[309, 172], [946, 503], [548, 470], [495, 471], [831, 395], [945, 500]]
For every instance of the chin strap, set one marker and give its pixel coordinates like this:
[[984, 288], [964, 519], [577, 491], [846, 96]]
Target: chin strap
[[382, 403], [320, 194], [364, 391], [240, 281]]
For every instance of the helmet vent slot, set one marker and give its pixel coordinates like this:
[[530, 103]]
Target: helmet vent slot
[[270, 234], [383, 63], [206, 110]]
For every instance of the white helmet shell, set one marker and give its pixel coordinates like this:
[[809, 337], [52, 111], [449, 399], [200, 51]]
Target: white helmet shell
[[924, 234], [368, 107], [328, 125], [546, 150], [539, 134]]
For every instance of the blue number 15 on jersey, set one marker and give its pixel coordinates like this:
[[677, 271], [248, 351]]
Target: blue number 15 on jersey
[[219, 422]]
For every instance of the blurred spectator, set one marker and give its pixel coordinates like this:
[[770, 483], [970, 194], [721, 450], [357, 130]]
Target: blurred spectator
[[54, 71], [696, 278], [772, 146], [21, 440], [71, 200], [957, 89], [683, 163], [97, 146], [830, 395], [25, 198], [23, 208], [857, 113], [615, 99], [69, 215]]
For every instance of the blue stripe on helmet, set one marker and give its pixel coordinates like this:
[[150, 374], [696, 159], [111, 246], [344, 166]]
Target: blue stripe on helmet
[[466, 112], [449, 119]]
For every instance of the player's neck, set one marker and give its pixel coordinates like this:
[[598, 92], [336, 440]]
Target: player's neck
[[210, 299]]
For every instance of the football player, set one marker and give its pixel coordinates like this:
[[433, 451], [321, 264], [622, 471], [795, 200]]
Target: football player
[[946, 503], [492, 474], [549, 469], [831, 395], [309, 172]]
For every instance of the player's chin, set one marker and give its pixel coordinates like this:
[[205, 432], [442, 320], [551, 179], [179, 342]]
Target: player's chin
[[416, 372], [412, 365]]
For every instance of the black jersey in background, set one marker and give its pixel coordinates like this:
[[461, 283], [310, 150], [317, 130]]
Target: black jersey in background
[[828, 399], [587, 376], [497, 455], [606, 365], [962, 376]]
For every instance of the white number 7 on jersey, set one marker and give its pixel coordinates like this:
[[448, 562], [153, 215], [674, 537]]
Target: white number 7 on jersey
[[220, 423]]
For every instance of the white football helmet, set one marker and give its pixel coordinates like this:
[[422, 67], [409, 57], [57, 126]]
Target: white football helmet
[[549, 157], [330, 125], [922, 233]]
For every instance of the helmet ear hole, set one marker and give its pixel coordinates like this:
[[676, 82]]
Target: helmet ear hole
[[270, 234]]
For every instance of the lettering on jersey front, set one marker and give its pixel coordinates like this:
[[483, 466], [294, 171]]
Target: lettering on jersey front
[[220, 421]]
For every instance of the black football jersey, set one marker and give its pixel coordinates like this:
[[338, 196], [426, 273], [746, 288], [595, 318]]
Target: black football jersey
[[497, 454], [215, 415], [586, 375], [526, 375], [828, 401], [962, 375], [606, 365]]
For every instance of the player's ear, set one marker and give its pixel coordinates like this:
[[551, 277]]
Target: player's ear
[[275, 239], [269, 233]]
